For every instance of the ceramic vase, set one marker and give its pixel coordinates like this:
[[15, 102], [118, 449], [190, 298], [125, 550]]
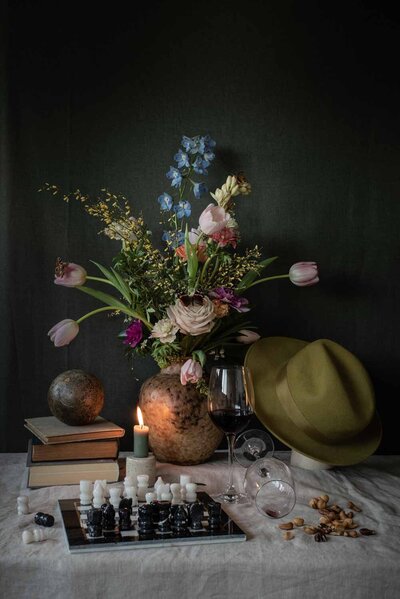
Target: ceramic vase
[[180, 429]]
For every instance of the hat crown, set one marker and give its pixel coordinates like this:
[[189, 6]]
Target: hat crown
[[331, 389]]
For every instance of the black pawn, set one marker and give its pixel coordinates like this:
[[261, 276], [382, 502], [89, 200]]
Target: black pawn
[[124, 518], [44, 519], [164, 512], [196, 511], [180, 520], [94, 519], [145, 519], [108, 520], [214, 515]]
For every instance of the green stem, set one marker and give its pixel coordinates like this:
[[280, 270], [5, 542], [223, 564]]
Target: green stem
[[100, 279], [82, 318], [268, 279]]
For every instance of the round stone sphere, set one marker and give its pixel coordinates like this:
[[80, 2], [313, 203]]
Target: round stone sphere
[[76, 397]]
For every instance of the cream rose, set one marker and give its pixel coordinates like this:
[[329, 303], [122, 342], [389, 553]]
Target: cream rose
[[194, 316], [164, 330]]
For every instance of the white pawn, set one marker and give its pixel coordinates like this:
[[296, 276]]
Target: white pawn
[[166, 494], [185, 479], [34, 536], [191, 492], [105, 487], [176, 493], [150, 497], [86, 492], [183, 493], [143, 485], [98, 494], [115, 497], [22, 505]]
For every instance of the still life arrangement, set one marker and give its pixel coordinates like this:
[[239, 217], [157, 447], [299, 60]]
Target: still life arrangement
[[183, 303]]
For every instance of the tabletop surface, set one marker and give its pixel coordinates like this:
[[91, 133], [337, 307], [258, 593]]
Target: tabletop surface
[[263, 566]]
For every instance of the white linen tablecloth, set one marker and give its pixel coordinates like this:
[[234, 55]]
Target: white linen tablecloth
[[265, 566]]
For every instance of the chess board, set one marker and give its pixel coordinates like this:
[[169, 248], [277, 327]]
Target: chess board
[[74, 525]]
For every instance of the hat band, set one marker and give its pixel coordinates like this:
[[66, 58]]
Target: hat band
[[296, 416]]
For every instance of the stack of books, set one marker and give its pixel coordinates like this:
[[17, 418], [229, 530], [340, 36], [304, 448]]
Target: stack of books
[[59, 454]]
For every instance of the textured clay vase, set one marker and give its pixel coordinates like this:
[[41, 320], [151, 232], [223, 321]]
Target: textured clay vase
[[180, 429]]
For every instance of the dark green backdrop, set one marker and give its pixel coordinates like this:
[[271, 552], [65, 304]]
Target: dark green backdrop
[[302, 95]]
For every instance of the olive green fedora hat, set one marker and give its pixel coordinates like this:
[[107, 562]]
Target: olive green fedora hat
[[317, 398]]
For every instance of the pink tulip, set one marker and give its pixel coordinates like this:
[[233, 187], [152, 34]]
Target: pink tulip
[[191, 372], [69, 274], [247, 337], [304, 274], [213, 219], [63, 332]]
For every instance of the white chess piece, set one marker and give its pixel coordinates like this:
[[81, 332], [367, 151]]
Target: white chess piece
[[128, 482], [115, 497], [98, 494], [143, 485], [105, 487], [35, 535], [191, 492], [150, 497], [158, 483], [183, 493], [22, 505], [185, 479], [176, 493], [86, 492]]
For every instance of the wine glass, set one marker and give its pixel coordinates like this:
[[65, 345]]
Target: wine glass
[[269, 483], [230, 406], [252, 445]]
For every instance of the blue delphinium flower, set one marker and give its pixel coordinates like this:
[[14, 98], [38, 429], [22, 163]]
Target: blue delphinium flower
[[199, 189], [209, 144], [182, 159], [199, 166], [165, 201], [187, 143], [175, 176], [183, 208], [174, 238]]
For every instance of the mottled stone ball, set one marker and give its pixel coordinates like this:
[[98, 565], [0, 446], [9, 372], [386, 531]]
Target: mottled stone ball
[[76, 397]]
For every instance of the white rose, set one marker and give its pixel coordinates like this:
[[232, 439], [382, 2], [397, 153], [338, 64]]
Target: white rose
[[195, 318], [164, 330]]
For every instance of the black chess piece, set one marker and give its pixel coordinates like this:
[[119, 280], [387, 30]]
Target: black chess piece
[[180, 521], [155, 512], [145, 519], [164, 513], [108, 519], [44, 519], [196, 513], [126, 503], [94, 519], [214, 515], [125, 518]]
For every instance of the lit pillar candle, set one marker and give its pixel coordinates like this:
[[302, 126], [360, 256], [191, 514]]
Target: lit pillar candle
[[140, 437]]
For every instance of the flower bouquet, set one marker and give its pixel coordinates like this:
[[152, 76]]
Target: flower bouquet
[[185, 301]]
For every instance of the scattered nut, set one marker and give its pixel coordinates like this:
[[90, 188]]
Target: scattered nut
[[320, 537], [298, 521], [342, 515], [347, 522], [286, 526], [310, 530], [313, 503], [321, 504], [349, 514], [353, 534], [324, 520], [335, 508], [354, 507], [288, 536], [325, 498], [366, 532]]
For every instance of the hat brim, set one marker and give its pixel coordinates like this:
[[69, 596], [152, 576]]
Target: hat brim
[[265, 358]]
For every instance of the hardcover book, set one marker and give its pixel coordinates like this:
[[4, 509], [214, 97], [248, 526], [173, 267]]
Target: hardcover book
[[71, 473], [50, 430], [80, 450]]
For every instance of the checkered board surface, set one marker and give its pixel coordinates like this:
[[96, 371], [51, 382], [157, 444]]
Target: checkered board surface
[[74, 521]]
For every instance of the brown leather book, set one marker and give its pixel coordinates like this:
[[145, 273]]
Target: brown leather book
[[70, 473], [81, 450]]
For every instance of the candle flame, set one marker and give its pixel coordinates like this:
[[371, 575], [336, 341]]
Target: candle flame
[[140, 416]]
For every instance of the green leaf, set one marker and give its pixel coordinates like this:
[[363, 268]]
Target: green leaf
[[200, 356], [106, 298], [125, 291], [251, 276]]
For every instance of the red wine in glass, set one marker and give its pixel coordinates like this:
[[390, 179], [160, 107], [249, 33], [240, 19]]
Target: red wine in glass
[[230, 421]]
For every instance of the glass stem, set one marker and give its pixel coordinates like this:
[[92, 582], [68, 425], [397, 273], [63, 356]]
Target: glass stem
[[231, 442]]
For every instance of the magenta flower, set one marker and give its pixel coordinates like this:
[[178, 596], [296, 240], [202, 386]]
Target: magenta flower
[[223, 294], [304, 274], [191, 372], [69, 274], [134, 333], [64, 332]]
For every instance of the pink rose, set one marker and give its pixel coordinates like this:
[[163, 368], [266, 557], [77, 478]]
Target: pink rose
[[304, 274], [64, 332], [247, 337], [69, 274], [191, 372], [213, 219]]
